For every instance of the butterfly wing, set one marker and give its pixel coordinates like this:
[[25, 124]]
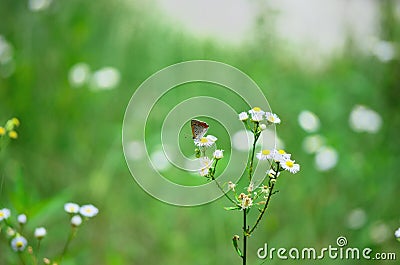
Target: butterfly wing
[[199, 128]]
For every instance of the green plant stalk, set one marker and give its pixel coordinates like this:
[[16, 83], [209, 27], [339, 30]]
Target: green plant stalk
[[256, 136], [219, 186], [271, 185], [70, 237], [245, 234]]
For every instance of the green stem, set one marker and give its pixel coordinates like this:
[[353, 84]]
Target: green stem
[[271, 184], [245, 234], [70, 237], [21, 258], [219, 186], [256, 136]]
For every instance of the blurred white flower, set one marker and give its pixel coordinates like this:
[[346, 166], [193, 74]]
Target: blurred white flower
[[71, 207], [10, 232], [105, 78], [397, 233], [243, 116], [18, 243], [6, 51], [160, 160], [76, 220], [40, 232], [384, 50], [263, 126], [88, 210], [257, 114], [37, 5], [313, 143], [21, 219], [79, 74], [308, 121], [356, 218], [326, 158], [218, 154], [272, 118], [364, 119], [250, 188], [4, 214]]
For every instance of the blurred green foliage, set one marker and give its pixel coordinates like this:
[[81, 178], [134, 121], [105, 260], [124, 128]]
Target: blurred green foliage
[[69, 146]]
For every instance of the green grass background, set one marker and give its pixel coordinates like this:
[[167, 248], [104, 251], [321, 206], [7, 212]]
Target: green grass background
[[69, 146]]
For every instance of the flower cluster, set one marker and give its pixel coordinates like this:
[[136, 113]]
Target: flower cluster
[[258, 115], [9, 129], [19, 242], [281, 158]]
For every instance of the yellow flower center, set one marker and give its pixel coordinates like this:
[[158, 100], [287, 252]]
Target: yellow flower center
[[2, 214], [13, 135], [281, 152], [203, 140], [19, 244], [88, 210], [289, 163], [2, 131], [265, 152], [257, 109], [271, 118]]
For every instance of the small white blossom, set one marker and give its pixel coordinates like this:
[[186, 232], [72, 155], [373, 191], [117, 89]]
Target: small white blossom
[[88, 210], [272, 118], [4, 214], [264, 189], [21, 219], [76, 220], [273, 174], [264, 155], [397, 233], [71, 207], [280, 155], [218, 154], [246, 202], [40, 232], [10, 232], [290, 166], [18, 243], [205, 141], [243, 116], [256, 114], [231, 185], [206, 164], [250, 188], [263, 126]]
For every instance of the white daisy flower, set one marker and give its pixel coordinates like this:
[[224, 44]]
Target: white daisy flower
[[246, 202], [218, 154], [231, 185], [264, 154], [204, 171], [243, 116], [21, 219], [272, 118], [18, 243], [290, 166], [76, 220], [88, 210], [4, 214], [40, 232], [256, 114], [280, 155], [71, 207], [205, 141]]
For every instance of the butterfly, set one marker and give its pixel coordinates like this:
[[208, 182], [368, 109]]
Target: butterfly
[[199, 128]]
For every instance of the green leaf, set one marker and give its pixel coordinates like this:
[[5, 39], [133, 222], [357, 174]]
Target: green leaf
[[232, 208]]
